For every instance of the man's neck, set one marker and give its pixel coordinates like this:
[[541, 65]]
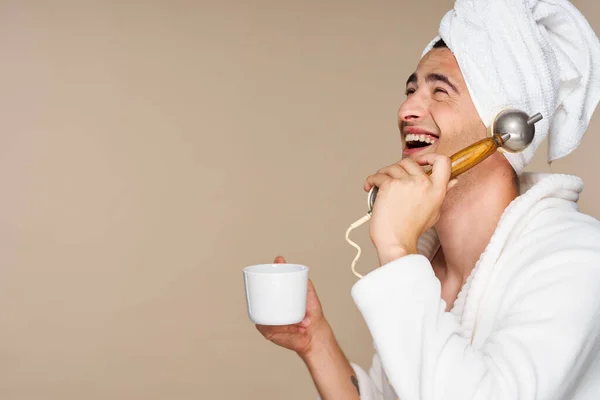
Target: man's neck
[[469, 218]]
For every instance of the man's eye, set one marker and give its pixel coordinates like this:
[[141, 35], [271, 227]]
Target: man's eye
[[409, 91], [440, 90]]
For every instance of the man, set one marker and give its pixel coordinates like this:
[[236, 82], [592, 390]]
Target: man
[[489, 286]]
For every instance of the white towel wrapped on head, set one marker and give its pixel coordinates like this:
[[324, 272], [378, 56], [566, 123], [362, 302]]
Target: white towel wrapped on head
[[534, 55]]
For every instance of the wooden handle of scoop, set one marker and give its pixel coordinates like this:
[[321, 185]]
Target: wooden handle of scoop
[[462, 161], [472, 155]]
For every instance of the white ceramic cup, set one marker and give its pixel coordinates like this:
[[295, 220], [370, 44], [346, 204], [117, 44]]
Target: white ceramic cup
[[276, 293]]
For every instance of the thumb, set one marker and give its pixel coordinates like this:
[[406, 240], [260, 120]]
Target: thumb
[[452, 183], [279, 260], [311, 287], [441, 169]]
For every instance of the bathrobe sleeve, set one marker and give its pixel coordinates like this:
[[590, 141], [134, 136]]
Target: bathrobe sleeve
[[537, 350]]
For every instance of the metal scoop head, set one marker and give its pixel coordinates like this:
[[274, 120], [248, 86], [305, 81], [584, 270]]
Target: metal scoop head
[[520, 127]]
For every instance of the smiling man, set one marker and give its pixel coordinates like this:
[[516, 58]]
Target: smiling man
[[489, 285], [445, 106]]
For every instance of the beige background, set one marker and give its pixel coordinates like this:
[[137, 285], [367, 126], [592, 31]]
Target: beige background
[[151, 150]]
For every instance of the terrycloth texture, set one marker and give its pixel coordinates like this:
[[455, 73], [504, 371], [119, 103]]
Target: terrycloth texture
[[534, 55], [526, 324]]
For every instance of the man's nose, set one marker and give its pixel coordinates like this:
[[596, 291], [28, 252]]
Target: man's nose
[[413, 108]]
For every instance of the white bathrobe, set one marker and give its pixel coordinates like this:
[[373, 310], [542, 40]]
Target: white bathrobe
[[526, 324]]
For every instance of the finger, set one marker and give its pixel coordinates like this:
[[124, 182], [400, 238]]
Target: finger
[[311, 287], [269, 331], [452, 183], [441, 168], [311, 292], [395, 171], [426, 159], [411, 166], [376, 180], [423, 163], [279, 260]]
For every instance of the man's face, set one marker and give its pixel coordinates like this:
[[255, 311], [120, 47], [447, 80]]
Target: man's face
[[438, 115]]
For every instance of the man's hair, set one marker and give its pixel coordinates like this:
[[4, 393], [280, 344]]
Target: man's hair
[[440, 44]]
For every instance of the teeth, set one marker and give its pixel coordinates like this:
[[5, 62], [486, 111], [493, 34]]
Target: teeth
[[420, 138]]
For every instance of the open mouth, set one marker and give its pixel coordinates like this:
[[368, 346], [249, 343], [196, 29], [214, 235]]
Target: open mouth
[[414, 141]]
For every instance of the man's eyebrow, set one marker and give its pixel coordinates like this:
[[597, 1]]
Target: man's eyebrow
[[433, 77], [441, 78], [412, 78]]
